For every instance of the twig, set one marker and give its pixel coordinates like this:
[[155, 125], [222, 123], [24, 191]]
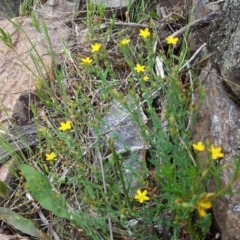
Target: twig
[[195, 24], [131, 24], [193, 56], [163, 12], [183, 143], [192, 98]]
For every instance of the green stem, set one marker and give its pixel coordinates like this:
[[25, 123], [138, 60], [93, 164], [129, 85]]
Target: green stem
[[117, 160]]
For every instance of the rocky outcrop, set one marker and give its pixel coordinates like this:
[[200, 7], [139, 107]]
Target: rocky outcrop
[[218, 121], [224, 40], [19, 72], [57, 10], [9, 8], [218, 118], [66, 10]]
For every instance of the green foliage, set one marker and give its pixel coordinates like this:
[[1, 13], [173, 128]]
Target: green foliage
[[87, 169], [178, 179], [42, 191], [26, 6], [141, 10], [35, 23], [3, 190], [6, 38], [22, 224]]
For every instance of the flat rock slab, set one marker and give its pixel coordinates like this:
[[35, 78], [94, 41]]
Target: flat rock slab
[[119, 127], [18, 72]]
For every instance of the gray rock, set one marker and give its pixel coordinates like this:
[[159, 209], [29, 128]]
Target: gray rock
[[225, 41], [57, 10], [218, 118], [218, 121], [118, 126], [9, 8], [65, 10]]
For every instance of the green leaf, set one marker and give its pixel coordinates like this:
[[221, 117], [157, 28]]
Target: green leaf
[[153, 15], [6, 38], [35, 21], [42, 191], [21, 223], [3, 190]]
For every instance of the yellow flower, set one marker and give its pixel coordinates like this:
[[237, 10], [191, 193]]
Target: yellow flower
[[146, 78], [50, 156], [203, 204], [172, 40], [139, 68], [96, 47], [199, 146], [141, 196], [216, 152], [144, 33], [86, 60], [65, 126], [124, 41]]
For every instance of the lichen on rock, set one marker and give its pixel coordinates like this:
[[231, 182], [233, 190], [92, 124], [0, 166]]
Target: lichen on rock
[[224, 41]]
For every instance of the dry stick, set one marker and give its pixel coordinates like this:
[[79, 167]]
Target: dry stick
[[198, 63], [183, 143], [130, 24], [192, 99], [199, 22], [163, 12], [139, 25], [193, 57], [124, 24]]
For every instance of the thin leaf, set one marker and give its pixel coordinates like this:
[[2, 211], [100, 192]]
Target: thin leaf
[[21, 223], [3, 190]]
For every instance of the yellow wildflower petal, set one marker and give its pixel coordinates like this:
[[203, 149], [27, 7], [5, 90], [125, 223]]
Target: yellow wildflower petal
[[146, 78], [141, 196], [201, 212], [199, 146], [144, 33], [50, 156], [86, 60], [65, 126], [96, 47], [216, 152], [203, 204], [138, 194], [139, 68], [124, 41], [172, 40]]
